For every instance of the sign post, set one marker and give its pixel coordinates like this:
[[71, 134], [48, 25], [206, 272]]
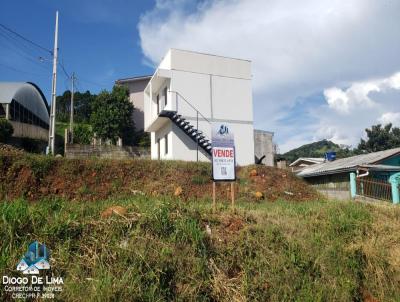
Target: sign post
[[223, 157]]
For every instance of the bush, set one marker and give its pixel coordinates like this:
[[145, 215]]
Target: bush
[[142, 139], [82, 134], [6, 130]]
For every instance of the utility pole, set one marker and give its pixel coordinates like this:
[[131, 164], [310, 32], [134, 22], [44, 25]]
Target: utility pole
[[71, 118], [53, 91]]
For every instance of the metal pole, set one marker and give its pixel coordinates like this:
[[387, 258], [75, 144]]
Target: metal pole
[[71, 119], [197, 135], [7, 111], [214, 197], [53, 91]]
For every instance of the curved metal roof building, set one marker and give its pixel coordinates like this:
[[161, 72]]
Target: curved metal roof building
[[24, 102]]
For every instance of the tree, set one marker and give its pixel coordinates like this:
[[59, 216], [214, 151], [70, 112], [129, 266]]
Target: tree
[[82, 134], [82, 106], [111, 115], [380, 138], [6, 130]]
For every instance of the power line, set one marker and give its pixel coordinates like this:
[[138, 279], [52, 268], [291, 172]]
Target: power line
[[63, 69], [26, 39], [22, 71], [14, 45]]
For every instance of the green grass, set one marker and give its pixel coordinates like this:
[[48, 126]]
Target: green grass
[[60, 128], [315, 251]]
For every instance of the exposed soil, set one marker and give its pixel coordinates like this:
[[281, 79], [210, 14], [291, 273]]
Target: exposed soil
[[35, 177]]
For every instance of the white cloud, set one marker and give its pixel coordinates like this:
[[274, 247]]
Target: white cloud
[[390, 117], [357, 95], [297, 48]]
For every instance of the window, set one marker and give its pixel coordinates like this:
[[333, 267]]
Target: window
[[23, 115], [158, 104], [165, 95], [166, 143], [158, 149]]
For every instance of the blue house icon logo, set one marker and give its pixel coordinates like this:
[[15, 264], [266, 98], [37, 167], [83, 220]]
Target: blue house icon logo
[[35, 259], [223, 130]]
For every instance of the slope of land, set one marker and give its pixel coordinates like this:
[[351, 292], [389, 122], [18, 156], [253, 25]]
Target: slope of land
[[150, 233], [35, 176], [163, 249]]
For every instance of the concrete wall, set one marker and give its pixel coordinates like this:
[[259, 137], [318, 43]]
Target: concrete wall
[[218, 87], [28, 130], [263, 145], [105, 151], [340, 195]]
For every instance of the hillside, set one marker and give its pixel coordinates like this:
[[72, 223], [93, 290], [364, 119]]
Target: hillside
[[144, 230], [316, 149], [35, 176]]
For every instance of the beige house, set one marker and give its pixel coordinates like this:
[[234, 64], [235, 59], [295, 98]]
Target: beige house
[[136, 86]]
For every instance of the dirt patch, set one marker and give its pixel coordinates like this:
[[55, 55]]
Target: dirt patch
[[37, 176], [272, 184]]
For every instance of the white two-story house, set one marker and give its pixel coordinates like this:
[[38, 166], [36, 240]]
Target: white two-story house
[[190, 91]]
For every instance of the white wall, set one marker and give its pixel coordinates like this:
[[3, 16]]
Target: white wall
[[208, 64], [232, 99], [195, 88], [184, 148], [160, 134]]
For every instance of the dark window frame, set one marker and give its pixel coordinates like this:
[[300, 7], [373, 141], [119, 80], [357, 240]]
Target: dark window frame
[[166, 144], [165, 96]]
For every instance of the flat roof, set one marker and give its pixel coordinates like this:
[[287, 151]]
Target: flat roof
[[210, 54], [133, 79]]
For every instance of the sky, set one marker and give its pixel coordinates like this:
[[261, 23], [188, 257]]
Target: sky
[[322, 69]]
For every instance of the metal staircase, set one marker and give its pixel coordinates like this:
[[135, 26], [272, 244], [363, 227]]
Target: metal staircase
[[195, 134]]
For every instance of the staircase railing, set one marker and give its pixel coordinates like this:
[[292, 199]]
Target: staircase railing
[[198, 113], [187, 102]]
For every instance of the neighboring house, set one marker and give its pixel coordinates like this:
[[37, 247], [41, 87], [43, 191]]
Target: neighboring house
[[264, 151], [333, 177], [187, 93], [304, 162], [136, 86], [25, 106]]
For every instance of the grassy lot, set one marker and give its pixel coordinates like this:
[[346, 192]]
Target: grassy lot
[[160, 249]]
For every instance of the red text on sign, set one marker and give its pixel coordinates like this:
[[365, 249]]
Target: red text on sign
[[222, 153]]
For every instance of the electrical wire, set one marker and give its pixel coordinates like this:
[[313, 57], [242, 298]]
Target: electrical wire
[[22, 71], [20, 50], [26, 39], [11, 36]]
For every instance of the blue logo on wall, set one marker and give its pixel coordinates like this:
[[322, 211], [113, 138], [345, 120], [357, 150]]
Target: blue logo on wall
[[35, 259], [223, 130]]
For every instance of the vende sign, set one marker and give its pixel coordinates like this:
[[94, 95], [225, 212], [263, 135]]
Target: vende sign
[[223, 163], [223, 153], [226, 153]]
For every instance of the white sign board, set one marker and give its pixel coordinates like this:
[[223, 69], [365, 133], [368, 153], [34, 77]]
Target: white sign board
[[223, 153]]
